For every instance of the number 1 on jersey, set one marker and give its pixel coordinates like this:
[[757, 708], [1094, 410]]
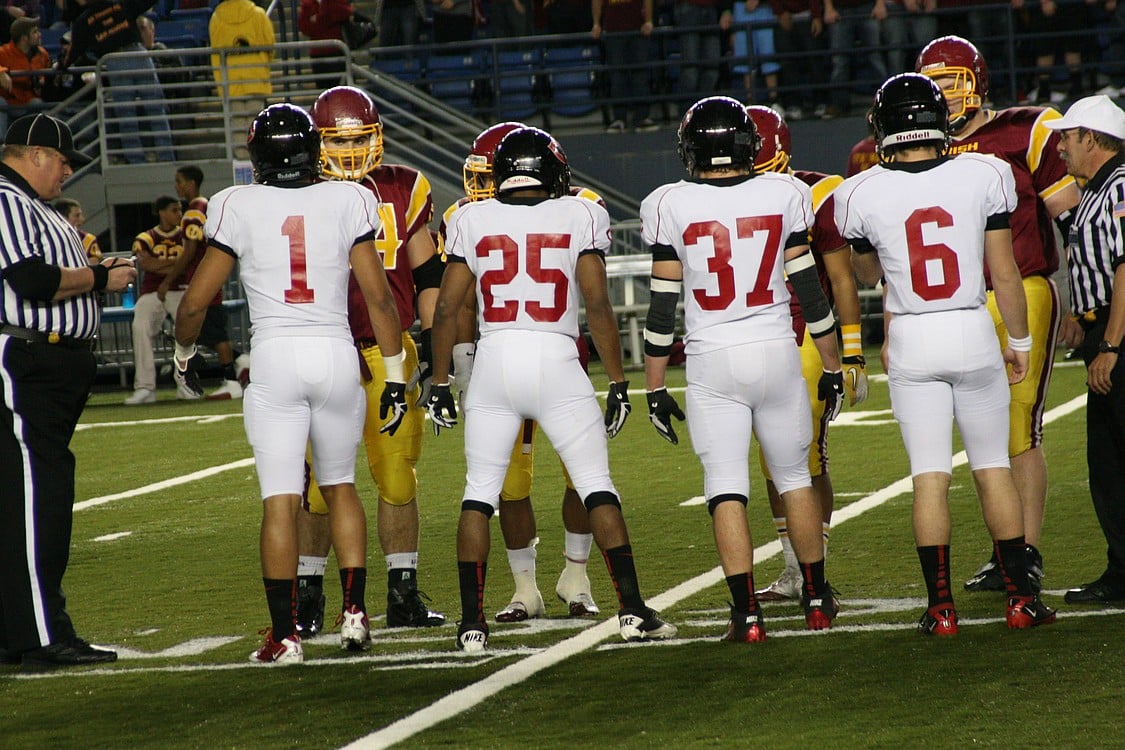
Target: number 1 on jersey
[[298, 292]]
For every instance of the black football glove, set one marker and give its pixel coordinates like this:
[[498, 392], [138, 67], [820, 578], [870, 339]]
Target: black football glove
[[188, 362], [855, 379], [661, 408], [423, 374], [392, 403], [830, 390], [617, 407], [442, 408]]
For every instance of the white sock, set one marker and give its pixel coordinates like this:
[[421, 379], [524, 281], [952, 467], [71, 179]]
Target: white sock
[[578, 548], [522, 563], [402, 560], [786, 546], [311, 565]]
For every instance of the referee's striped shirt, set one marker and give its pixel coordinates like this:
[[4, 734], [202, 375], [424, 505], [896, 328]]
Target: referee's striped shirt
[[1097, 237], [30, 229]]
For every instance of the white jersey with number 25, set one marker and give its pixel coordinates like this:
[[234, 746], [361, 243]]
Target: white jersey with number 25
[[928, 227], [526, 272], [731, 238], [293, 247]]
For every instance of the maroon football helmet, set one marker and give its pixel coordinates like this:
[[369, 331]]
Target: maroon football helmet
[[956, 59], [348, 112], [477, 171], [773, 156]]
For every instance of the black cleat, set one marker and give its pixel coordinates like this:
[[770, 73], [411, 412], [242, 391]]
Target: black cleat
[[68, 653], [406, 609], [1035, 569], [310, 611], [988, 578]]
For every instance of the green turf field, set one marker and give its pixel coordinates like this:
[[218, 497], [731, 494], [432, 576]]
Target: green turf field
[[165, 568]]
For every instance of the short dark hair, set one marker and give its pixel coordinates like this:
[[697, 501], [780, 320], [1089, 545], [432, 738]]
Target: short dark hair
[[163, 202], [65, 205], [193, 173]]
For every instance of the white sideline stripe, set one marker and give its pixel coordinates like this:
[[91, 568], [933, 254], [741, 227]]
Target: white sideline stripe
[[472, 695], [158, 486], [113, 537], [208, 419]]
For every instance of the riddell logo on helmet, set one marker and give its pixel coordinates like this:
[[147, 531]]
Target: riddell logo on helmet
[[927, 69], [915, 135]]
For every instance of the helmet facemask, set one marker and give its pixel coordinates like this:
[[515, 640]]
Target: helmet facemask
[[477, 174], [354, 160], [959, 85]]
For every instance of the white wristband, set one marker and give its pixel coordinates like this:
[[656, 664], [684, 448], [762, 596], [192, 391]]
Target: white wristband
[[1020, 345], [393, 367]]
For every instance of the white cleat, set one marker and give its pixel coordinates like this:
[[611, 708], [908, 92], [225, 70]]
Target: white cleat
[[242, 369], [519, 610], [286, 651], [230, 389], [786, 587], [141, 396], [644, 625], [355, 631], [574, 590], [473, 639]]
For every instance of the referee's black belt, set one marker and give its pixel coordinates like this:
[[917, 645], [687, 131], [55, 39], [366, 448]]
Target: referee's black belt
[[39, 337], [1093, 318]]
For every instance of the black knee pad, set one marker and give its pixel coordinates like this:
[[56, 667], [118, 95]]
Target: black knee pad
[[714, 502], [479, 507], [595, 499]]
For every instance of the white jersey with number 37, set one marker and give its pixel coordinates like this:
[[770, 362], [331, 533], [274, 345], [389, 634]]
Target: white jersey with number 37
[[731, 237], [524, 257], [293, 247], [928, 227]]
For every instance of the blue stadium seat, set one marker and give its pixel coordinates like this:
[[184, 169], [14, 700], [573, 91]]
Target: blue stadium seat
[[192, 22], [520, 89], [572, 74], [407, 70], [52, 40], [454, 79]]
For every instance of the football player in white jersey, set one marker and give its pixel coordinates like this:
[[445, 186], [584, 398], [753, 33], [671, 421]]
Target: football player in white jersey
[[531, 253], [294, 239], [728, 237], [929, 223]]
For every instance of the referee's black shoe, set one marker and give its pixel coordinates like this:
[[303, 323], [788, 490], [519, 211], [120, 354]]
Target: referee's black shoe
[[67, 653], [1097, 592], [8, 657]]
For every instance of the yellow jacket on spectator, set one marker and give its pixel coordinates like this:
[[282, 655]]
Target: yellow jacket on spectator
[[241, 23]]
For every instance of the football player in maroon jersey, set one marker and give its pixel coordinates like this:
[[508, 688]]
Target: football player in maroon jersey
[[352, 149], [834, 266], [1045, 192]]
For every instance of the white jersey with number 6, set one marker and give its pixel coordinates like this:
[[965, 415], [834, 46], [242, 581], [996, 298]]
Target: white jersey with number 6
[[928, 227], [293, 248], [526, 276], [731, 238]]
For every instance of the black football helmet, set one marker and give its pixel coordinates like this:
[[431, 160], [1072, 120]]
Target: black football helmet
[[909, 109], [284, 145], [530, 158], [717, 133]]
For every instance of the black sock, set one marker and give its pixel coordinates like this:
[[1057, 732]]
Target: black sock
[[354, 583], [281, 597], [813, 574], [402, 579], [1012, 554], [471, 575], [935, 570], [304, 582], [623, 573], [742, 596]]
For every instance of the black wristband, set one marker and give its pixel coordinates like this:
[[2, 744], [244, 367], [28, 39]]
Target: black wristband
[[101, 277]]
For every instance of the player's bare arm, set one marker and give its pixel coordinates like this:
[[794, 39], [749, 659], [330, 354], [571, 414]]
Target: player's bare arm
[[1010, 299], [657, 365], [838, 266], [667, 279], [600, 317], [367, 266], [213, 271]]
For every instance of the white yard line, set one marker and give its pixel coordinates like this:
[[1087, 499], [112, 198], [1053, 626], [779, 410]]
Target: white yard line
[[158, 486], [473, 695]]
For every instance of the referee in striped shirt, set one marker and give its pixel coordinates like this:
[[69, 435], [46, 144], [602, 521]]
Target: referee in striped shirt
[[1092, 143], [49, 314]]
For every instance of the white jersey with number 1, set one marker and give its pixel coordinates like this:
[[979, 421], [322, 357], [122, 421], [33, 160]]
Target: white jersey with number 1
[[928, 227], [293, 247]]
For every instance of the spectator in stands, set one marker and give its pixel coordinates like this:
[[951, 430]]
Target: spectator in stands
[[627, 25], [244, 78], [1055, 27], [754, 48], [134, 96], [700, 47], [910, 25], [800, 42], [567, 16], [400, 21], [325, 19], [845, 19], [71, 210], [453, 21], [21, 56], [169, 68], [508, 18]]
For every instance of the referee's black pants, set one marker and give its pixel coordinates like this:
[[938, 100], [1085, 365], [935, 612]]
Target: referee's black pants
[[44, 388], [1105, 458]]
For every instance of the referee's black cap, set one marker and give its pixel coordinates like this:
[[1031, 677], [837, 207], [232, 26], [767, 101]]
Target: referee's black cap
[[49, 132]]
